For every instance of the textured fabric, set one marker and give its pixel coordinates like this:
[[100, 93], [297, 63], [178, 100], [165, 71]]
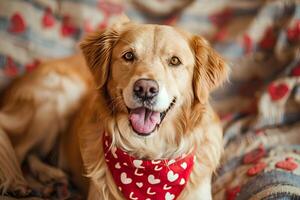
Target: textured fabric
[[148, 179]]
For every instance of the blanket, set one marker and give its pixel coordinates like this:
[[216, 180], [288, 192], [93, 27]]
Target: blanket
[[259, 105]]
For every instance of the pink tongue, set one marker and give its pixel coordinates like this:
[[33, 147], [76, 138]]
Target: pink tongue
[[144, 121]]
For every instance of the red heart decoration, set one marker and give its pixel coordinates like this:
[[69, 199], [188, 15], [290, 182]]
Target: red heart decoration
[[296, 71], [255, 155], [269, 39], [221, 35], [67, 28], [256, 169], [288, 164], [223, 17], [276, 92], [293, 33], [231, 193], [18, 24], [247, 41], [48, 19], [10, 69], [33, 65]]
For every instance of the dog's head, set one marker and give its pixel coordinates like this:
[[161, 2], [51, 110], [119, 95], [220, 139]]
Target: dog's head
[[151, 75]]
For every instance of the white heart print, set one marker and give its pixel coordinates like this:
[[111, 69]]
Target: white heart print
[[137, 173], [139, 184], [152, 180], [169, 196], [172, 176], [183, 165], [138, 163], [157, 168], [117, 166], [166, 187], [154, 162], [131, 196], [182, 181], [124, 179], [150, 192]]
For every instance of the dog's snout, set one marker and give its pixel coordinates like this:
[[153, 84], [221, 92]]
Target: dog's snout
[[145, 88]]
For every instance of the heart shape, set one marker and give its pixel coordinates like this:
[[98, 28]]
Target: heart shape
[[48, 19], [169, 196], [32, 66], [172, 176], [124, 179], [152, 180], [296, 71], [288, 164], [117, 165], [277, 92], [166, 187], [131, 196], [182, 181], [139, 184], [157, 168], [183, 165], [257, 168], [255, 155], [150, 192], [269, 39], [67, 28], [18, 24], [138, 163]]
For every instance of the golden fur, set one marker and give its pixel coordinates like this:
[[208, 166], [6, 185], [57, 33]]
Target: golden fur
[[100, 107]]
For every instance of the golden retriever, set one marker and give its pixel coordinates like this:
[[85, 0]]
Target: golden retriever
[[146, 87]]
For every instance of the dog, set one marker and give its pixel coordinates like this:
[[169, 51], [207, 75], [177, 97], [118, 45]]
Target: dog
[[131, 114]]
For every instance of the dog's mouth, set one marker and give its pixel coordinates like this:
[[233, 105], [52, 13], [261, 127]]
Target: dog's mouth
[[144, 120]]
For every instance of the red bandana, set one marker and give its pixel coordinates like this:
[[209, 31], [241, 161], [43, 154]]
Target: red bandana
[[148, 179]]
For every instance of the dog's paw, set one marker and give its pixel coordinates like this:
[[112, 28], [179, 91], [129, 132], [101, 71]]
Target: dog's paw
[[45, 173], [20, 190], [50, 175]]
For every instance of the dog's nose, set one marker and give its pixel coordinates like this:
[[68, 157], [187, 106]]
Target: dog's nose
[[145, 89]]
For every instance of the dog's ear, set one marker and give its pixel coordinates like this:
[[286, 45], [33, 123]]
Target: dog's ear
[[210, 69], [97, 49]]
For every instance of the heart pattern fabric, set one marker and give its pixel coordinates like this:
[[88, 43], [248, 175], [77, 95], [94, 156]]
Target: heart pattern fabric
[[18, 24], [147, 179], [279, 91]]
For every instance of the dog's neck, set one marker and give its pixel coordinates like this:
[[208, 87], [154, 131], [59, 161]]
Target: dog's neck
[[162, 145]]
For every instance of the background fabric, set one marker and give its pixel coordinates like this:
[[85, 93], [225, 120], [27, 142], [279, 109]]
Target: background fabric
[[259, 106]]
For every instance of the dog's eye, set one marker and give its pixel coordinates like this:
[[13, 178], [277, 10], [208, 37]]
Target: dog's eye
[[129, 56], [175, 61]]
